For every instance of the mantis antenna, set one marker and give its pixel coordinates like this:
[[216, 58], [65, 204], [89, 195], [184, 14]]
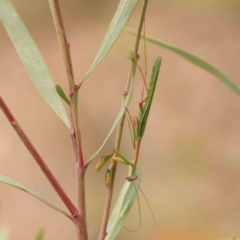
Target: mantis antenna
[[139, 212]]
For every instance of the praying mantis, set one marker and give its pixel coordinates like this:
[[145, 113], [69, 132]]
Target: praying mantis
[[137, 126]]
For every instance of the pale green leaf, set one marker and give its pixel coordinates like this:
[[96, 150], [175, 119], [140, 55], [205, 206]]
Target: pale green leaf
[[194, 60], [116, 26], [31, 57], [234, 237], [4, 234], [122, 207], [15, 184], [122, 110], [40, 234]]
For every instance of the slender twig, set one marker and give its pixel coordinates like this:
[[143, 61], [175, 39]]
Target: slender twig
[[103, 231], [140, 26], [73, 210], [73, 89], [136, 155], [74, 129], [57, 18], [107, 207], [145, 47]]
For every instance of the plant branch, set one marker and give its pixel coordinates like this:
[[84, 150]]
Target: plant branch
[[103, 231], [73, 89], [73, 210], [74, 129], [57, 18], [136, 155]]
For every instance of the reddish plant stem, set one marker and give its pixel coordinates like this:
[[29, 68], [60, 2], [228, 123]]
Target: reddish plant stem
[[80, 180], [74, 128], [73, 89], [106, 213], [73, 210], [136, 154], [65, 46], [103, 231]]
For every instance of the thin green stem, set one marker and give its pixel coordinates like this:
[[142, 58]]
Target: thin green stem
[[103, 231], [145, 48], [140, 26]]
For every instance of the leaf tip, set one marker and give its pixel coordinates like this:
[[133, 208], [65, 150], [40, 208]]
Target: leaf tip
[[40, 234], [62, 94]]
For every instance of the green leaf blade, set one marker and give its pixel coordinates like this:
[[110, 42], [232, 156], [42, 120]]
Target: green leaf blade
[[234, 237], [120, 19], [194, 60], [31, 57], [13, 183], [122, 207]]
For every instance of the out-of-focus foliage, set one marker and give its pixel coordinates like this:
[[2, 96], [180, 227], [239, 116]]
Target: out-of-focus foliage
[[31, 57]]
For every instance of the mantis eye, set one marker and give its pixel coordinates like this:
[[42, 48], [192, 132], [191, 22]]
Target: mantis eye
[[132, 178]]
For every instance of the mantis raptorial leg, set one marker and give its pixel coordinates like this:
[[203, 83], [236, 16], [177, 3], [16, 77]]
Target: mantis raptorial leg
[[138, 124]]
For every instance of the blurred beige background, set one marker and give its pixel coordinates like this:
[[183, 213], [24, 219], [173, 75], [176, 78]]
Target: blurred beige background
[[190, 156]]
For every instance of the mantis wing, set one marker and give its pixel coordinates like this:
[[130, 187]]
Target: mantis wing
[[144, 111], [31, 58]]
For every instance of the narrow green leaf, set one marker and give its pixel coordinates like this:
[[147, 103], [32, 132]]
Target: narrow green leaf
[[234, 237], [144, 112], [122, 207], [31, 57], [62, 94], [15, 184], [116, 26], [194, 60], [40, 234], [122, 110], [4, 234]]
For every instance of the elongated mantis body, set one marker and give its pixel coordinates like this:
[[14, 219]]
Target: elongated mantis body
[[138, 124]]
